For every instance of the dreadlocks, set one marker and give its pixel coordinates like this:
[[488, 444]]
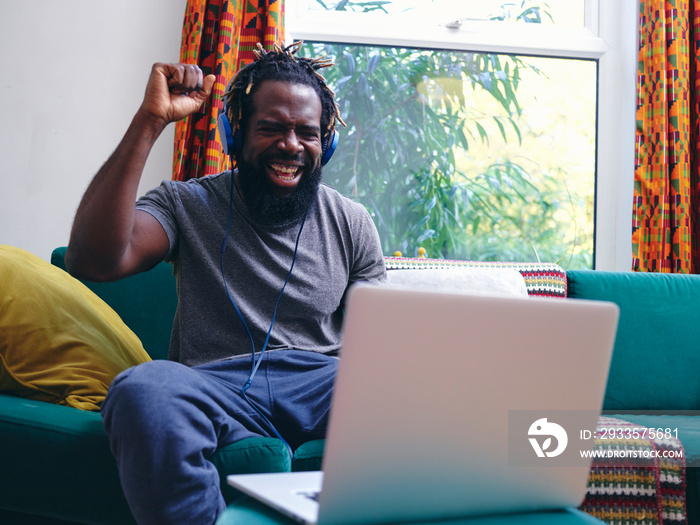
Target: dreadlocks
[[280, 64]]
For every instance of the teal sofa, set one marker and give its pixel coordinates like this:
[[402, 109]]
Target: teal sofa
[[56, 466], [654, 378], [55, 462]]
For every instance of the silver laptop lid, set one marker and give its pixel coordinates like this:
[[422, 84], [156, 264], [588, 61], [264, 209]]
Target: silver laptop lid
[[419, 427]]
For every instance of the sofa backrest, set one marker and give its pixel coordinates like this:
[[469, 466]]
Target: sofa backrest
[[656, 358], [146, 302]]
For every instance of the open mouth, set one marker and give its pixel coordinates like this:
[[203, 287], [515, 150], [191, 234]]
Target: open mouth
[[285, 173]]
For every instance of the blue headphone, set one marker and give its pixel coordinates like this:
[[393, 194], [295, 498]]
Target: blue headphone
[[232, 143]]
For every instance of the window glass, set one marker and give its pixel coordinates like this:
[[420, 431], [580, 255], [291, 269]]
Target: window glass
[[469, 155], [559, 12]]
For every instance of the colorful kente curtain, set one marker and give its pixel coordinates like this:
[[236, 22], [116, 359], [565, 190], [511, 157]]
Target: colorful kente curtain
[[219, 36], [666, 205]]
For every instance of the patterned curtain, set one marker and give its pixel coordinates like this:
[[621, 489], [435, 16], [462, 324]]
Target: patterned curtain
[[665, 223], [219, 36]]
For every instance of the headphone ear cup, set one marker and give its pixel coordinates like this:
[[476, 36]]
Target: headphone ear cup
[[225, 135], [329, 148], [231, 143]]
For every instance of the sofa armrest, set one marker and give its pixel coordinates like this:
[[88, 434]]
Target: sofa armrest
[[656, 356]]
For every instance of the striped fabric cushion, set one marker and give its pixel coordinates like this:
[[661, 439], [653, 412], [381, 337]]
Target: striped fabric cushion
[[541, 279], [624, 490]]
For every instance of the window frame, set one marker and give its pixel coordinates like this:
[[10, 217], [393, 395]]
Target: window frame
[[609, 36]]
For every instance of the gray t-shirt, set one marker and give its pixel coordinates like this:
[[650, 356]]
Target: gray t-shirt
[[339, 245]]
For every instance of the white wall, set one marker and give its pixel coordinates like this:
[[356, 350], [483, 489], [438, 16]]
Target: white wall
[[72, 74]]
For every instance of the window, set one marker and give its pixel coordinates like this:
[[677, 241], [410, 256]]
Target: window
[[481, 139], [559, 12]]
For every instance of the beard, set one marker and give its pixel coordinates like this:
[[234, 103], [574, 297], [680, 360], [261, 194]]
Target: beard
[[267, 207]]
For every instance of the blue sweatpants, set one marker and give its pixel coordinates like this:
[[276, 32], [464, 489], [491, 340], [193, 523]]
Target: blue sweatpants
[[165, 419]]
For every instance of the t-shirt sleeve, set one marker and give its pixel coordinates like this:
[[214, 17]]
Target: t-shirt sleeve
[[158, 202], [369, 260]]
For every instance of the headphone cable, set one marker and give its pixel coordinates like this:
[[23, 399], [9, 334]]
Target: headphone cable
[[256, 362]]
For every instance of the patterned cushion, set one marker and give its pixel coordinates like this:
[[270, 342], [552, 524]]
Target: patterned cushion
[[626, 489], [541, 279]]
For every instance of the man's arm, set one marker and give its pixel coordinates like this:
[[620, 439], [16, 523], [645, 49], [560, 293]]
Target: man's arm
[[110, 239]]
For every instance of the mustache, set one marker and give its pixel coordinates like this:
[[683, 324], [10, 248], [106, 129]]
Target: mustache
[[299, 159]]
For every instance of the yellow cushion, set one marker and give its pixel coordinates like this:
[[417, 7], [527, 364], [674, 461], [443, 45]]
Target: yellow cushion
[[59, 342]]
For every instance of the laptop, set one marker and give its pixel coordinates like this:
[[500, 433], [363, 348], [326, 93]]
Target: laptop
[[427, 389]]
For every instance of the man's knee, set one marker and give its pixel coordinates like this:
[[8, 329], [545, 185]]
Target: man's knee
[[142, 392]]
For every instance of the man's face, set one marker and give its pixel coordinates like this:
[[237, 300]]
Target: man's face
[[280, 159]]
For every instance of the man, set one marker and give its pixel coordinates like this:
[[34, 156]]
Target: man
[[263, 258]]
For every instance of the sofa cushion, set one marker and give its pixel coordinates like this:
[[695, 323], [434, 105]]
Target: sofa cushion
[[59, 342], [309, 456], [146, 302], [56, 462], [656, 356], [250, 456]]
